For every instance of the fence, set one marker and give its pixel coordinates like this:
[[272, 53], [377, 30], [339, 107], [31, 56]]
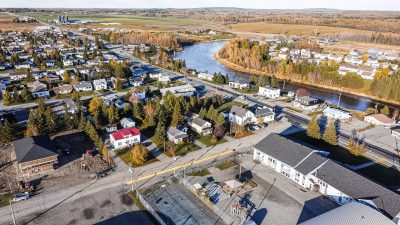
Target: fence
[[149, 208]]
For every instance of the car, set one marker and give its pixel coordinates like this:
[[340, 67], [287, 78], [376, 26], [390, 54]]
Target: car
[[255, 96], [190, 80], [242, 97], [21, 197]]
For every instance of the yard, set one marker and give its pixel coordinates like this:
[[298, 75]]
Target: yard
[[125, 155], [186, 148], [207, 140], [228, 105]]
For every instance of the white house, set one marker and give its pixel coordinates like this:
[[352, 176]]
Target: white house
[[176, 136], [154, 76], [205, 76], [68, 62], [38, 89], [124, 138], [269, 92], [310, 169], [380, 120], [127, 122], [201, 126], [83, 86], [395, 131], [264, 115], [238, 84], [164, 79], [241, 116], [183, 90], [18, 76], [100, 84], [307, 103], [22, 66], [337, 114]]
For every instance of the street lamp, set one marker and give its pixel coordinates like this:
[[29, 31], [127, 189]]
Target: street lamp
[[131, 172]]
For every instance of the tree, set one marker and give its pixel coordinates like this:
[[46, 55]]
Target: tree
[[171, 148], [159, 135], [7, 132], [212, 114], [139, 154], [313, 128], [25, 95], [112, 114], [50, 121], [330, 134], [203, 113], [385, 110], [219, 131], [95, 104], [85, 54], [7, 98], [177, 117], [31, 129], [137, 112], [66, 77], [356, 147]]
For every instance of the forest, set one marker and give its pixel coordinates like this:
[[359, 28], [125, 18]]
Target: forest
[[252, 55]]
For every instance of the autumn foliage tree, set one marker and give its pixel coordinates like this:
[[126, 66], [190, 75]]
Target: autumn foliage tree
[[313, 128], [139, 154]]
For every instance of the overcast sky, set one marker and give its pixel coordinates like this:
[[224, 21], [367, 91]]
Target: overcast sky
[[264, 4]]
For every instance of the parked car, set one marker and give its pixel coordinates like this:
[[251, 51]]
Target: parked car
[[21, 197], [242, 97]]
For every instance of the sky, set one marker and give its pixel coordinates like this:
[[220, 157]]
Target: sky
[[261, 4]]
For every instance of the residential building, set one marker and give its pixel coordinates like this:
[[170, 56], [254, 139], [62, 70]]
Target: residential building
[[337, 114], [18, 76], [70, 106], [125, 138], [176, 136], [205, 76], [127, 122], [22, 66], [35, 155], [201, 126], [380, 120], [183, 90], [63, 89], [269, 92], [83, 86], [241, 116], [264, 115], [136, 81], [164, 79], [307, 103], [38, 89], [100, 84], [310, 169], [111, 128], [239, 84], [395, 131], [154, 76], [354, 213]]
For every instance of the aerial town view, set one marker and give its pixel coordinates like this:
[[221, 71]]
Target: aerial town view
[[212, 112]]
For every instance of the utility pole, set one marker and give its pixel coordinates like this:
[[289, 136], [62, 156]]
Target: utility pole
[[131, 172], [284, 83], [12, 214]]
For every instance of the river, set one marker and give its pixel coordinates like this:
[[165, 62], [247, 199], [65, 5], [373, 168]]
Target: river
[[200, 57]]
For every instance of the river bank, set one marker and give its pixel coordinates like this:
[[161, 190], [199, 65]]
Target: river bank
[[242, 69]]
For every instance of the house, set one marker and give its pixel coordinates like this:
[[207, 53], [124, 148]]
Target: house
[[183, 90], [50, 63], [395, 131], [201, 126], [124, 138], [24, 65], [68, 62], [347, 68], [70, 106], [38, 89], [18, 76], [164, 79], [354, 213], [307, 103], [111, 128], [35, 155], [337, 114], [239, 84], [205, 76], [310, 169], [100, 84], [63, 89], [136, 81], [154, 76], [120, 104], [264, 115], [380, 120], [269, 92], [127, 122], [176, 136], [241, 116], [139, 94], [83, 86]]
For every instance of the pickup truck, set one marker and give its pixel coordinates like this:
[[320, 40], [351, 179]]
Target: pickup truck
[[21, 197]]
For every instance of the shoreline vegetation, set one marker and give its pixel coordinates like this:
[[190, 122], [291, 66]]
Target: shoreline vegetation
[[242, 69]]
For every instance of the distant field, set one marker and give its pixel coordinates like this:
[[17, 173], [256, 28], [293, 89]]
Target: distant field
[[290, 29], [7, 24], [126, 21], [343, 47]]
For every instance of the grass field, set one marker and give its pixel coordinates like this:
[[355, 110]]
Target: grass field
[[125, 21], [7, 24], [291, 29]]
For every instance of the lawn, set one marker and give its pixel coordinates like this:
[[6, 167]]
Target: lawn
[[228, 105], [337, 153], [206, 140], [126, 156], [186, 148], [5, 199], [200, 173], [225, 165]]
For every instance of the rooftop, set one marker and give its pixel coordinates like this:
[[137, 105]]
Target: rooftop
[[124, 133], [34, 148]]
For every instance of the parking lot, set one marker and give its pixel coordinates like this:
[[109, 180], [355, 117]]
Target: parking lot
[[177, 205]]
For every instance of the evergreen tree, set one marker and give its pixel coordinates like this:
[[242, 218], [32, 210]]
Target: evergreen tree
[[32, 129], [25, 95], [330, 134], [159, 135], [112, 114], [50, 121], [177, 117], [7, 98], [7, 132], [137, 112], [85, 54], [385, 110], [313, 128], [212, 114], [202, 113]]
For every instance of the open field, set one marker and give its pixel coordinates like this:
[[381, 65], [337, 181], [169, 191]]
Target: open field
[[343, 47], [291, 29], [7, 24], [126, 21]]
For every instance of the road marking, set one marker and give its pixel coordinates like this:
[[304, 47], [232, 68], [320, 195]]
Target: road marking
[[179, 167]]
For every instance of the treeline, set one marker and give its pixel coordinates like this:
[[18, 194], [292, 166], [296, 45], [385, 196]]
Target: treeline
[[379, 38], [387, 87]]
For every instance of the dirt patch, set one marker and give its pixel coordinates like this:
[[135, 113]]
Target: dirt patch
[[126, 200], [88, 213]]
